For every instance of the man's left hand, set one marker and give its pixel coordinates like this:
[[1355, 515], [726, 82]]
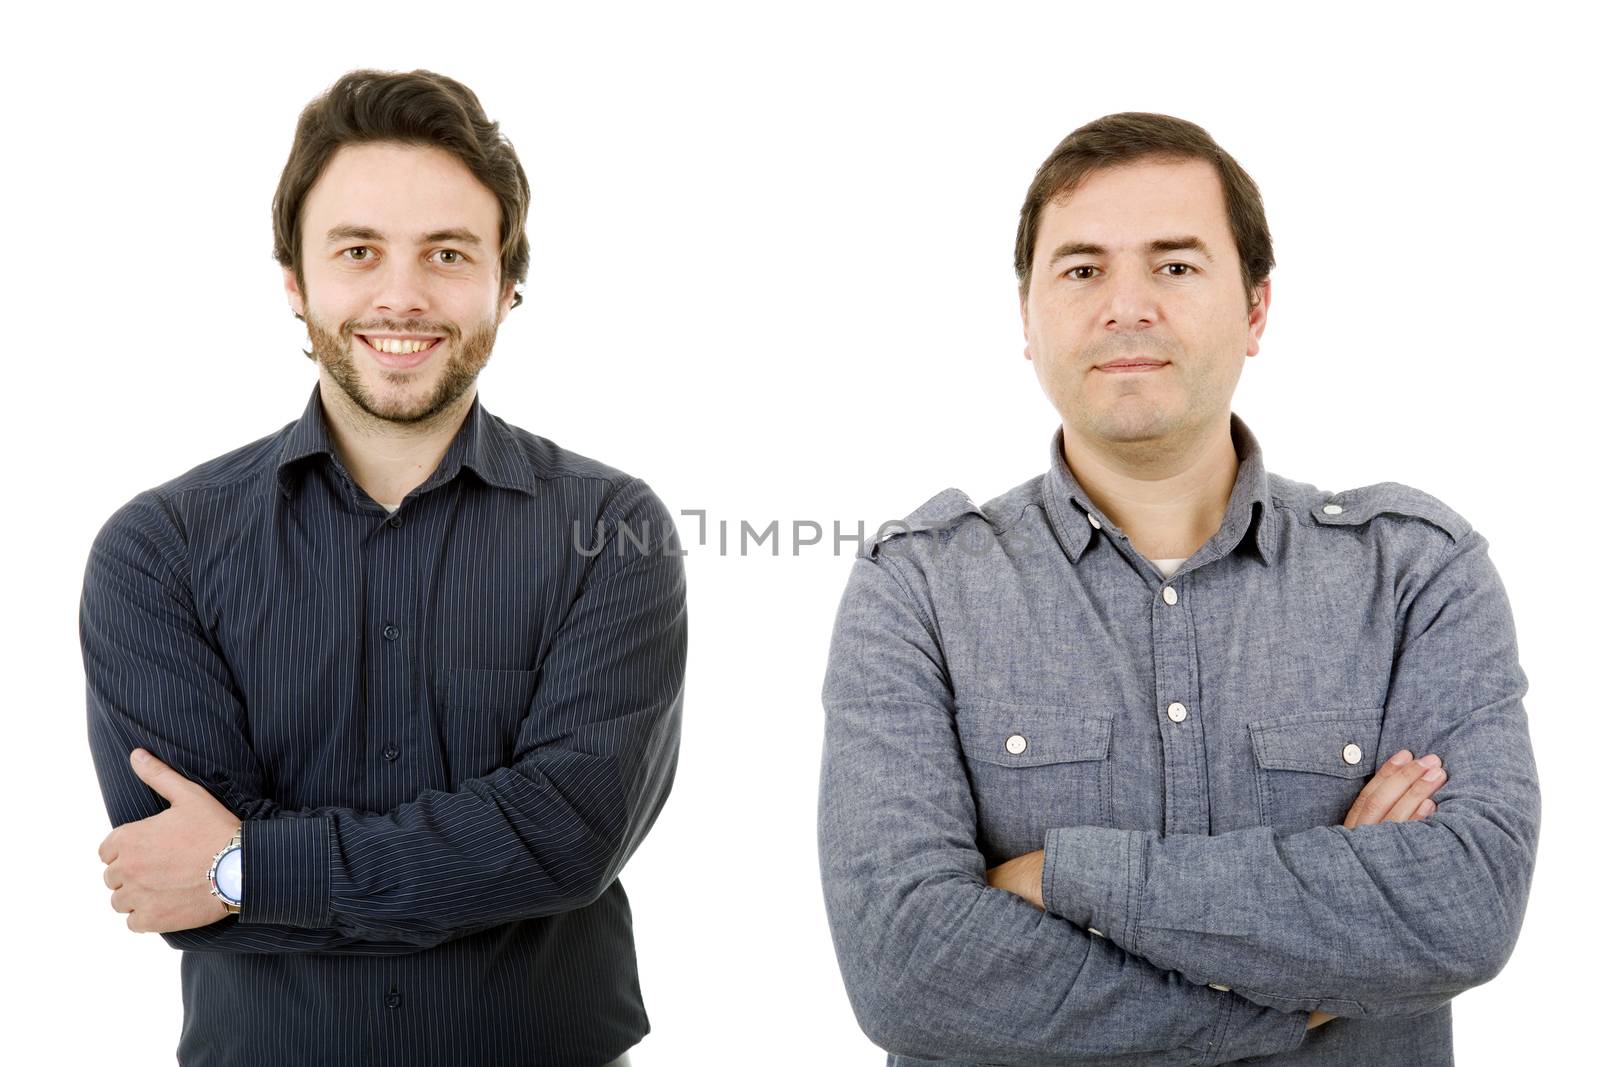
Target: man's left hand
[[1023, 876], [156, 867]]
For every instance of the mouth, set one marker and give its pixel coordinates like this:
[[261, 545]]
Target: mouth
[[1133, 367], [407, 354]]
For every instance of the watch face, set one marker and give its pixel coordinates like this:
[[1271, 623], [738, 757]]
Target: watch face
[[230, 875]]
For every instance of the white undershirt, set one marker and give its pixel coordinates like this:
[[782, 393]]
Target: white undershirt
[[1167, 566]]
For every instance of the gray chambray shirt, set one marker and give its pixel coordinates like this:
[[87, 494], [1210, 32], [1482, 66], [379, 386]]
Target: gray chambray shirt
[[1016, 677]]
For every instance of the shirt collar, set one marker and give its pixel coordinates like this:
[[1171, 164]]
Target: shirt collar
[[483, 443], [1075, 515]]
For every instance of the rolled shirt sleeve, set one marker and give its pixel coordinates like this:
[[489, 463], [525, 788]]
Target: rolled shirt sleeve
[[937, 963], [1391, 918]]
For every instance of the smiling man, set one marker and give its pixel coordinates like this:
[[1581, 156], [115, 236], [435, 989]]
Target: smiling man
[[382, 702], [1101, 779]]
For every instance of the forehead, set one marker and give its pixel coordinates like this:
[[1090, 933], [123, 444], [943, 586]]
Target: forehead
[[1131, 203], [399, 190]]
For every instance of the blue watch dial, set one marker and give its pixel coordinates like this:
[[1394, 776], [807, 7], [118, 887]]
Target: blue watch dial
[[230, 875]]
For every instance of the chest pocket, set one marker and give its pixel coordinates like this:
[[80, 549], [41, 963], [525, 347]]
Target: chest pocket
[[483, 712], [1032, 768], [1310, 766]]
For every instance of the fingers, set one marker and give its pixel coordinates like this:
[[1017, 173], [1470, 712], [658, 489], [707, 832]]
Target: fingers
[[1393, 780], [1410, 803], [158, 776], [112, 877], [108, 848]]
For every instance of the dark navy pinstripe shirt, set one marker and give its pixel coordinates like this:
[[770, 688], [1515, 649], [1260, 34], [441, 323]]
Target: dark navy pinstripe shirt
[[445, 731]]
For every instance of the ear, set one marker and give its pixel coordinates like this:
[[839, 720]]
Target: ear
[[1257, 320], [508, 293], [1022, 303], [297, 300]]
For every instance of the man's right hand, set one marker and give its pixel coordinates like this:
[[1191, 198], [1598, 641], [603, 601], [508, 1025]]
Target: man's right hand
[[1399, 791]]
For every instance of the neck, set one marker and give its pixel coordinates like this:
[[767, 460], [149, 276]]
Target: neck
[[389, 459], [1168, 496]]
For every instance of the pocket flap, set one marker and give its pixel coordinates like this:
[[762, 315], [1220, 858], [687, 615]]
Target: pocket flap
[[1340, 743], [1031, 735]]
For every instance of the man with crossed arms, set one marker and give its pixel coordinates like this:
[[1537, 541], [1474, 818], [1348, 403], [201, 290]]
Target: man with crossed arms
[[1101, 777], [381, 703]]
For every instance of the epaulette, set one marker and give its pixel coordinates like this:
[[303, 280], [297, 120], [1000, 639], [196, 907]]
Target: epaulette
[[1356, 506], [940, 511]]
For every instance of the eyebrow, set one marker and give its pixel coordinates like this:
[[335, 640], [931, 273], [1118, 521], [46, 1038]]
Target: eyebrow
[[1186, 243], [459, 234]]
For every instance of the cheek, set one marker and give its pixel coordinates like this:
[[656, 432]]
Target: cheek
[[332, 305], [1053, 369]]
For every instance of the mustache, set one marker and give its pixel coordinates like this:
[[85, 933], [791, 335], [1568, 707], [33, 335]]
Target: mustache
[[401, 327]]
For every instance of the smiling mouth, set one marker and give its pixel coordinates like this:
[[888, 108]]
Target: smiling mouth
[[395, 347], [408, 354]]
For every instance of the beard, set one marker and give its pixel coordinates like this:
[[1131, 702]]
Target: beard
[[468, 355]]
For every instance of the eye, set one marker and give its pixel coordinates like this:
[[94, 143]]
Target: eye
[[452, 252], [358, 248], [1187, 269], [1072, 272]]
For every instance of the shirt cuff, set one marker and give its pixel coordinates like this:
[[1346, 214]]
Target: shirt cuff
[[1094, 877], [285, 871], [1245, 1030]]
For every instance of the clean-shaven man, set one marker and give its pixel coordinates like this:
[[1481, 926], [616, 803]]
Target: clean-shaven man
[[382, 702], [1102, 777]]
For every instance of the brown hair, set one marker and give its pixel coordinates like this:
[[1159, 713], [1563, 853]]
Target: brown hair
[[1136, 136], [418, 108]]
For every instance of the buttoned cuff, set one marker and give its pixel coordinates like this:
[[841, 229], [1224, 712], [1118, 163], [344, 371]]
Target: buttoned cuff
[[1093, 877], [1245, 1029], [285, 871]]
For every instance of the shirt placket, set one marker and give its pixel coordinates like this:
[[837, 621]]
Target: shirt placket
[[1186, 809], [394, 756]]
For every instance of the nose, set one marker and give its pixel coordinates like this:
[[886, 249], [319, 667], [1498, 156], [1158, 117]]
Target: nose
[[402, 288], [1130, 300]]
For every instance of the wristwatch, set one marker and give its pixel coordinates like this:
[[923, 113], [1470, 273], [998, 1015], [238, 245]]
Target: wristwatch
[[227, 874]]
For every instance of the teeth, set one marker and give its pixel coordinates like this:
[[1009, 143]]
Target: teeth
[[397, 348]]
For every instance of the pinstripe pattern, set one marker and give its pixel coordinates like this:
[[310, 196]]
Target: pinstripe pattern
[[445, 730]]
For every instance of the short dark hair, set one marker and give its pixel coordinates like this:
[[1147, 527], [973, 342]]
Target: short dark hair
[[417, 108], [1137, 136]]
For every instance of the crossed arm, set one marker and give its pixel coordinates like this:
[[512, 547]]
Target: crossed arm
[[592, 765], [1384, 918], [936, 962], [1400, 790], [1392, 918]]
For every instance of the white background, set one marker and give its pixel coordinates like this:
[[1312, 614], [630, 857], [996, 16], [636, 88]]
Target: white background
[[780, 241]]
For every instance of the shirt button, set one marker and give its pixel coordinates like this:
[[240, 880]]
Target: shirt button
[[1218, 985], [1016, 744], [390, 632], [395, 520], [1170, 595], [392, 1000], [1332, 509], [1177, 712], [391, 753], [1094, 522], [1352, 754]]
